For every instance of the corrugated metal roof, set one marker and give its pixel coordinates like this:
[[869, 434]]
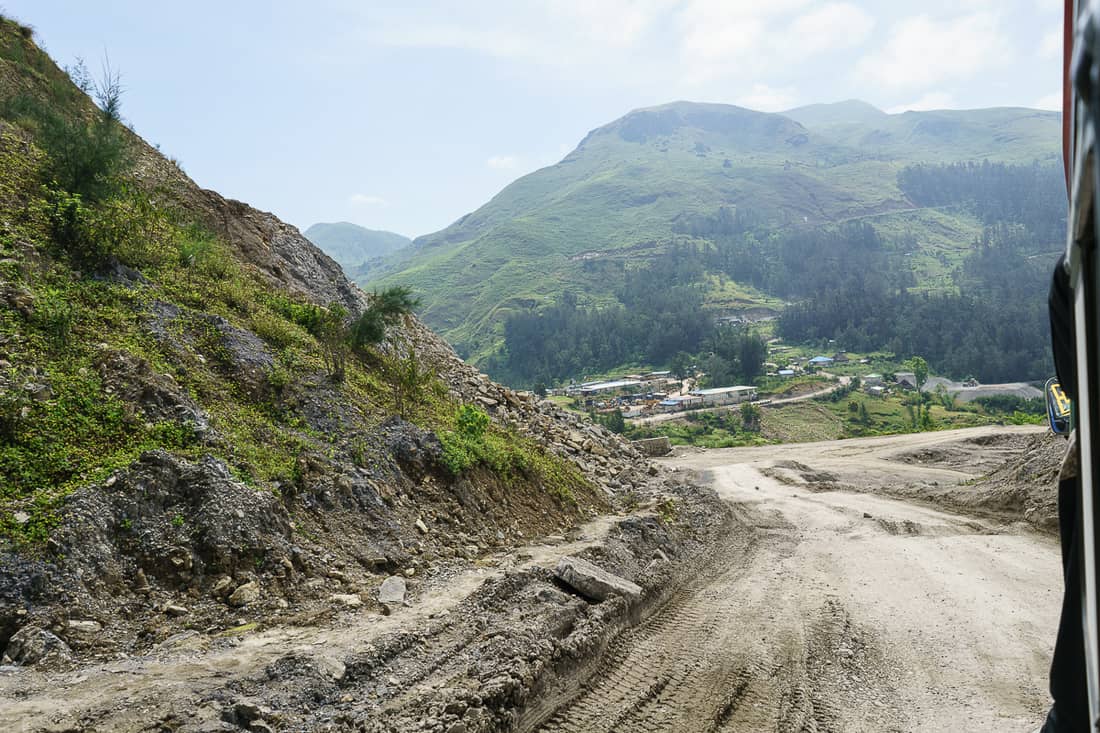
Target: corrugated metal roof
[[720, 390], [610, 385]]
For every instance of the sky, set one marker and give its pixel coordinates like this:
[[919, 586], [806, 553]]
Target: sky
[[407, 115]]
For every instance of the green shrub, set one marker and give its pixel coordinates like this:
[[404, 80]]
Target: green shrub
[[55, 315], [273, 329], [85, 155], [307, 315], [194, 247], [278, 379], [471, 422], [457, 456], [471, 443], [409, 382], [73, 228], [385, 309]]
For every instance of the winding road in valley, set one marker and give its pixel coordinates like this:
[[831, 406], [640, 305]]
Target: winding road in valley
[[847, 610]]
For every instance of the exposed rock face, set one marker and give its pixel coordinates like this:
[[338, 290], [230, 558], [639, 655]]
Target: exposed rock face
[[175, 520], [594, 582], [157, 396], [241, 355], [275, 248], [281, 252]]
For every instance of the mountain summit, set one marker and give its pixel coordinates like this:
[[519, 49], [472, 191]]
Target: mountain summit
[[633, 187], [352, 245]]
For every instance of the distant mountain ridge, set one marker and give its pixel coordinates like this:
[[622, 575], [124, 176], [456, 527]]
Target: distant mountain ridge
[[352, 245], [631, 188]]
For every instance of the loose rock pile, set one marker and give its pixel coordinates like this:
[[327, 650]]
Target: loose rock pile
[[600, 454]]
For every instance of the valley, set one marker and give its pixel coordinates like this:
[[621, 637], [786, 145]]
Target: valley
[[239, 492]]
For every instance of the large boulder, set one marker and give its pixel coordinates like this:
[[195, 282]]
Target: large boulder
[[392, 592], [594, 582], [33, 645], [175, 520]]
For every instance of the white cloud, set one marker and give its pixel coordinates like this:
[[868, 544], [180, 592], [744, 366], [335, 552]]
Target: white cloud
[[503, 162], [553, 33], [921, 51], [766, 99], [836, 25], [930, 100], [1052, 101], [362, 199], [730, 38], [641, 42]]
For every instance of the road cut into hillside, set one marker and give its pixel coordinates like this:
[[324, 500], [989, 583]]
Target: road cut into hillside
[[822, 589], [849, 611]]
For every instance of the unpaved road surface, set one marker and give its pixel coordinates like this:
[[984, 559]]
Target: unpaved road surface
[[824, 605], [849, 611]]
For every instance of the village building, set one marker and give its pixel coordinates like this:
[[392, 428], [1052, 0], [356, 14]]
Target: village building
[[725, 395], [908, 380], [872, 380], [593, 388], [680, 402]]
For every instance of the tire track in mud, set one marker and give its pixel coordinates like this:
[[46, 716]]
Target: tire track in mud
[[731, 652]]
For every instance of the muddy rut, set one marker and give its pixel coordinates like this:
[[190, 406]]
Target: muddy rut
[[849, 611]]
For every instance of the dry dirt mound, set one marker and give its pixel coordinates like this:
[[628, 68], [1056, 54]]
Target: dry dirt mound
[[1027, 483], [1016, 476], [482, 663]]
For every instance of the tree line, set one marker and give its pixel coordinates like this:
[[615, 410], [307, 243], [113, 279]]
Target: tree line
[[993, 325], [845, 282]]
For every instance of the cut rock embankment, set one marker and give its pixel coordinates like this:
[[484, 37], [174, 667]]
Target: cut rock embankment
[[476, 648]]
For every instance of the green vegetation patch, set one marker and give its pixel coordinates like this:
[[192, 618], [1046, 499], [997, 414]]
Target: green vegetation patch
[[472, 440]]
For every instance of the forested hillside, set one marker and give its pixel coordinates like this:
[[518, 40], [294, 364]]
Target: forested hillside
[[993, 324], [860, 226], [846, 283]]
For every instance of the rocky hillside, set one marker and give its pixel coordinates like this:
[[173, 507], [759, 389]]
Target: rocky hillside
[[191, 437]]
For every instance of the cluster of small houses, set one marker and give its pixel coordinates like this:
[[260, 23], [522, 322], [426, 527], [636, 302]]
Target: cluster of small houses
[[797, 365], [635, 394], [656, 392]]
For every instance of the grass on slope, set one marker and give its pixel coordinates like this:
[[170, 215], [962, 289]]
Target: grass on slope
[[113, 307]]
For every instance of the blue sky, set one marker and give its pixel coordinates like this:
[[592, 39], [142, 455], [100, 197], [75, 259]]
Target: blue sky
[[407, 115]]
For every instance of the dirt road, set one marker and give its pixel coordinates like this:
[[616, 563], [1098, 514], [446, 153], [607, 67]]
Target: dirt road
[[814, 609], [849, 611]]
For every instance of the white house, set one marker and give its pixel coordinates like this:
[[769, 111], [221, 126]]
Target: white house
[[725, 395]]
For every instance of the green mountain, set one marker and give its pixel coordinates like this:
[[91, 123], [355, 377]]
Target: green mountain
[[352, 245], [638, 186]]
